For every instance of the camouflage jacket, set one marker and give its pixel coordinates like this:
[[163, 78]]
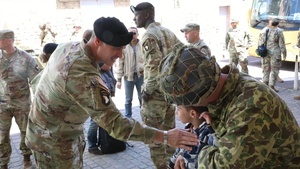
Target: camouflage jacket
[[202, 46], [157, 42], [15, 74], [254, 127], [275, 43], [238, 40], [68, 91]]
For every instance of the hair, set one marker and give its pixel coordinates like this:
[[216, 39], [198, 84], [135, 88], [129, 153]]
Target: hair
[[198, 109], [132, 27], [45, 57], [275, 23], [87, 35]]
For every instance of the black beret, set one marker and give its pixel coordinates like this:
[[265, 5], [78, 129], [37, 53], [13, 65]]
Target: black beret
[[49, 48], [112, 31], [141, 6]]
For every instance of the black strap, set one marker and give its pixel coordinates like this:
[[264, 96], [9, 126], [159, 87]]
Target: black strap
[[267, 31]]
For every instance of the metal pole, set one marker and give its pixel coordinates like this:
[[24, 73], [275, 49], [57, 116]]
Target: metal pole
[[296, 74]]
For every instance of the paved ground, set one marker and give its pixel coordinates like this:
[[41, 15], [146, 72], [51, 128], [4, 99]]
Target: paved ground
[[138, 157]]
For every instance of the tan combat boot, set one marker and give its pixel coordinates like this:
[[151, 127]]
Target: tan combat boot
[[297, 97], [26, 162], [4, 166], [279, 80]]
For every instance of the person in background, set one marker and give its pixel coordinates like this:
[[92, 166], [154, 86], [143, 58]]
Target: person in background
[[17, 68], [131, 67], [192, 35], [197, 120], [75, 92], [254, 127], [47, 35], [156, 112], [77, 32], [237, 42], [276, 46]]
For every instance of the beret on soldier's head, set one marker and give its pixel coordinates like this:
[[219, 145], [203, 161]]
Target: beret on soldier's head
[[49, 48], [6, 34], [141, 6], [188, 76], [112, 31]]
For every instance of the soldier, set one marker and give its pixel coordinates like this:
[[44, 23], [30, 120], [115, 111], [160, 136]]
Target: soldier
[[157, 42], [237, 42], [191, 33], [131, 67], [276, 46], [298, 45], [17, 68], [77, 33], [253, 125], [48, 49], [47, 34], [75, 91]]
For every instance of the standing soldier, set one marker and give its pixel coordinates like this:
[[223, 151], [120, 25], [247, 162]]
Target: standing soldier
[[237, 42], [157, 42], [47, 34], [276, 46], [17, 68], [191, 33], [77, 32]]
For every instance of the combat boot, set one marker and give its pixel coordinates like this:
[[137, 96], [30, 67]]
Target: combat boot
[[272, 87], [279, 80], [297, 97], [4, 166], [26, 162]]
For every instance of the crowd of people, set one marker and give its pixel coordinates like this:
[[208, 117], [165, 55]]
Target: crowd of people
[[232, 119]]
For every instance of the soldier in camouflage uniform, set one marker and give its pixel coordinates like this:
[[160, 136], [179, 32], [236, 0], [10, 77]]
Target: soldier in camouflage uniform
[[253, 125], [298, 45], [237, 42], [191, 33], [70, 89], [157, 42], [276, 46], [17, 68]]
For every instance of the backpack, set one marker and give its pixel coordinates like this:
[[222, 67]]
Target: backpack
[[108, 144]]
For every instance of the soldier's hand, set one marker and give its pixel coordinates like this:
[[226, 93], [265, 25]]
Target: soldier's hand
[[206, 116], [146, 97], [119, 84], [179, 163], [182, 138]]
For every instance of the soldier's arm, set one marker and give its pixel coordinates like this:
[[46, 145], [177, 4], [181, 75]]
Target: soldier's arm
[[227, 38], [120, 66], [282, 45], [152, 58]]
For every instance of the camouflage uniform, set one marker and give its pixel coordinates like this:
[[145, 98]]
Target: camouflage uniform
[[253, 125], [202, 46], [157, 42], [272, 62], [298, 45], [238, 41], [74, 92], [15, 73]]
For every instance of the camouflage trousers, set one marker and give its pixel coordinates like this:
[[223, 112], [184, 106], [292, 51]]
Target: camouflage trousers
[[21, 117], [159, 114], [66, 155], [239, 58], [270, 69]]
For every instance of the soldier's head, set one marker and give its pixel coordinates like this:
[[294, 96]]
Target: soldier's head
[[274, 22], [234, 22], [48, 49], [77, 26], [191, 32], [87, 34], [108, 40], [144, 14], [7, 38], [188, 76]]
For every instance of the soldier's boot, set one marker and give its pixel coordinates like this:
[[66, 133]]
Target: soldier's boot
[[297, 97], [26, 162], [279, 80], [272, 87], [4, 166]]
